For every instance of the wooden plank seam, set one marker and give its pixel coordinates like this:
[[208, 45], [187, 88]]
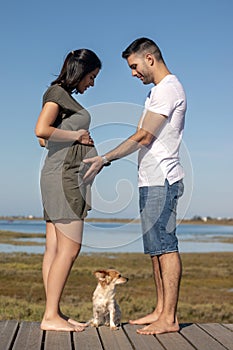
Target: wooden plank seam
[[43, 340], [212, 335], [100, 339], [187, 339], [14, 336], [127, 335]]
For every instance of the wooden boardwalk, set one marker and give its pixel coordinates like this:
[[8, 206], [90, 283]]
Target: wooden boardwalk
[[28, 336]]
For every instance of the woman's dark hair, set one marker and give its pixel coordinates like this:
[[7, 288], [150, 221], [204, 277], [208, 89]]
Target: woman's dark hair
[[76, 66], [143, 45]]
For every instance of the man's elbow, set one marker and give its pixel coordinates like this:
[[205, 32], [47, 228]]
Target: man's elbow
[[146, 140]]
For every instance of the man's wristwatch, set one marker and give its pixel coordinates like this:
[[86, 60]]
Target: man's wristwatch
[[105, 161]]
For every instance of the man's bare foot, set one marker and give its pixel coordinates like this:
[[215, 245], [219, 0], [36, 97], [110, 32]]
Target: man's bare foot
[[60, 325], [159, 327], [148, 319]]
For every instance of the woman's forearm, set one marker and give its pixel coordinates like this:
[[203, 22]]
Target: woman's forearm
[[44, 127], [59, 135]]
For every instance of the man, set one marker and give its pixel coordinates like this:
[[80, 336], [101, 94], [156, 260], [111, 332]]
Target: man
[[160, 174]]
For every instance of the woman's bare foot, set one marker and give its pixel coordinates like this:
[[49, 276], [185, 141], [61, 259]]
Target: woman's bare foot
[[71, 321], [159, 327], [60, 325], [148, 319], [76, 323]]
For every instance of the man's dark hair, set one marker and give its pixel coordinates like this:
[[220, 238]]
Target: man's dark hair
[[143, 45]]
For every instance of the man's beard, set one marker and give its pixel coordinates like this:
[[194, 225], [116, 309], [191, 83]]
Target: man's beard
[[147, 79]]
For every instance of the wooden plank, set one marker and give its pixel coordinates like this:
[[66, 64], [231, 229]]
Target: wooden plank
[[229, 326], [29, 336], [114, 340], [140, 341], [87, 340], [2, 326], [200, 339], [57, 341], [174, 341], [221, 334], [8, 332]]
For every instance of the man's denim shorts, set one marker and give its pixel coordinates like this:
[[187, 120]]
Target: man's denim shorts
[[158, 217]]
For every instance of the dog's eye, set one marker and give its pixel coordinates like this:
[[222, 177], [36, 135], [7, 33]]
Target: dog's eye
[[119, 276]]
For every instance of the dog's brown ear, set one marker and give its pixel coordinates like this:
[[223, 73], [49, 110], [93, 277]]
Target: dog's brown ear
[[100, 274]]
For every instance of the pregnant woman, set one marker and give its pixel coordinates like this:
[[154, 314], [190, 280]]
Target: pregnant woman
[[62, 127]]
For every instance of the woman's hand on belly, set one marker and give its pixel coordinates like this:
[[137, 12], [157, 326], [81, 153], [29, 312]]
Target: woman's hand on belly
[[84, 137]]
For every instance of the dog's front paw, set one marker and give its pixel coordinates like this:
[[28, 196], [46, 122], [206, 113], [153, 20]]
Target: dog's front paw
[[114, 327], [94, 323]]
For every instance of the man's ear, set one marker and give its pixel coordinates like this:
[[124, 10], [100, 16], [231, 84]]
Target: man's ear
[[150, 59]]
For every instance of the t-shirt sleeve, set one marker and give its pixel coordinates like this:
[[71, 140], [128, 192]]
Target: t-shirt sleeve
[[161, 101], [54, 94]]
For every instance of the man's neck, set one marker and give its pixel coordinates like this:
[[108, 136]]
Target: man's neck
[[160, 72]]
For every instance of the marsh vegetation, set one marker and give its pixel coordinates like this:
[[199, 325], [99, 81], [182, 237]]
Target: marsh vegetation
[[206, 293]]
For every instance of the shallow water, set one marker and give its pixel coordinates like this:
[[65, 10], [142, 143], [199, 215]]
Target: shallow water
[[121, 237]]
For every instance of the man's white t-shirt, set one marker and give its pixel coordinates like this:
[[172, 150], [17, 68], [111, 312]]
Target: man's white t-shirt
[[160, 160]]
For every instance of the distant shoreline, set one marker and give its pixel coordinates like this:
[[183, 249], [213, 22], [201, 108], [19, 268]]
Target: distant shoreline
[[228, 222]]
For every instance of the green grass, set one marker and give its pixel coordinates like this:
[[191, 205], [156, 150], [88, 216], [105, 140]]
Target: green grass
[[14, 238], [206, 290]]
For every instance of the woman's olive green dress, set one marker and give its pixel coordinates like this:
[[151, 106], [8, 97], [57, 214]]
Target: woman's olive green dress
[[64, 196]]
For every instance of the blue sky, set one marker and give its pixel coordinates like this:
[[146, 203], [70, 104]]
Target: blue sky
[[196, 40]]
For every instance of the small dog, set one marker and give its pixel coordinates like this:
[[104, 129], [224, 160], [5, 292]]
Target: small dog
[[106, 311]]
